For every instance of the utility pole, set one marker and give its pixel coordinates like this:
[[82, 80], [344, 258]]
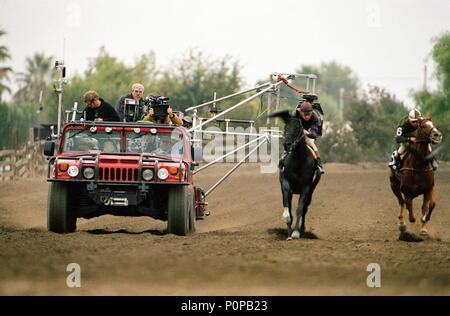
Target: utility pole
[[269, 105], [341, 103], [425, 77]]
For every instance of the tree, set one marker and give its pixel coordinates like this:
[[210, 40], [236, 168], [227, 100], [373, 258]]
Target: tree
[[35, 79], [374, 117], [436, 104], [4, 71], [333, 76], [339, 144], [193, 79]]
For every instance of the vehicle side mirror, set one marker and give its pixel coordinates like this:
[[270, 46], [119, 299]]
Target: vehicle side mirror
[[49, 148]]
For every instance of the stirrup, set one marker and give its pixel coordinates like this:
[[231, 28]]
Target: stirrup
[[321, 170], [320, 167]]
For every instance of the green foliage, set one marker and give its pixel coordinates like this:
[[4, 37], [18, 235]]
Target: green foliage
[[17, 119], [437, 104], [193, 80], [36, 78], [333, 76], [441, 56], [339, 144], [4, 70], [374, 118]]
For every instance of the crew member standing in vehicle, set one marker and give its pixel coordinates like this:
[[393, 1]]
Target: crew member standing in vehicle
[[137, 91], [98, 109], [169, 118]]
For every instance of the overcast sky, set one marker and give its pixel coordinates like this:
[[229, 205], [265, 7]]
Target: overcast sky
[[384, 42]]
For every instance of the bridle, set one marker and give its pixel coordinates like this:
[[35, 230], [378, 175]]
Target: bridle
[[428, 138]]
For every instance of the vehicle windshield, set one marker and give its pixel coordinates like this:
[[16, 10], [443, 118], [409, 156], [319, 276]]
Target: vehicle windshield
[[85, 141], [160, 143], [165, 144]]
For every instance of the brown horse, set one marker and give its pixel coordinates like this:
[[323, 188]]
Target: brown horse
[[416, 175]]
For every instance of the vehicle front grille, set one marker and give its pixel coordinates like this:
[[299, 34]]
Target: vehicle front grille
[[118, 174]]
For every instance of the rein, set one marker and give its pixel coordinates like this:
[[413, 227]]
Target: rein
[[418, 170], [297, 139]]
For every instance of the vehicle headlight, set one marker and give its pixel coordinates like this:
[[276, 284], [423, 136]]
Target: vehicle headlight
[[73, 171], [163, 174], [88, 173], [147, 174]]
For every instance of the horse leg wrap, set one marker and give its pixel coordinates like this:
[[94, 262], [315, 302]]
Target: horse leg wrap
[[286, 217]]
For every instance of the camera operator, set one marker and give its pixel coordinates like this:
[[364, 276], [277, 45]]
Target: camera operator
[[167, 116], [98, 109], [137, 91]]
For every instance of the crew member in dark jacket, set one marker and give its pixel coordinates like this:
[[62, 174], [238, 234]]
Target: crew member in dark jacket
[[137, 92], [98, 109]]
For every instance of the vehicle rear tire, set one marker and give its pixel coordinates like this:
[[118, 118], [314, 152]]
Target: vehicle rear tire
[[180, 210], [60, 218]]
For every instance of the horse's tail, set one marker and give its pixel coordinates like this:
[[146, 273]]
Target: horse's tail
[[284, 115]]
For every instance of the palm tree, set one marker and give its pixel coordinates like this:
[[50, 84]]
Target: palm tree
[[4, 71], [36, 78]]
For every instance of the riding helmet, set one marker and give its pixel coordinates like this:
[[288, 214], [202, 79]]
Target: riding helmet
[[306, 107], [414, 115]]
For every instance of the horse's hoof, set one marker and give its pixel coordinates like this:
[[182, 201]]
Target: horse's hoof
[[295, 235], [402, 227], [423, 232]]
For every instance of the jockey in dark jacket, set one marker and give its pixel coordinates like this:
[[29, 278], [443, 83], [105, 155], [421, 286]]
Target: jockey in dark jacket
[[310, 123], [403, 136]]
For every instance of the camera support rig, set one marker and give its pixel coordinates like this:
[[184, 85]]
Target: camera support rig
[[272, 86], [59, 89]]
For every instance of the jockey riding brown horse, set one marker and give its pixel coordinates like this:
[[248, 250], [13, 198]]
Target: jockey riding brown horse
[[416, 175]]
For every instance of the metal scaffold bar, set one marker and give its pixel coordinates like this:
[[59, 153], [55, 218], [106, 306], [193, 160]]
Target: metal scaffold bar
[[272, 86], [226, 97], [242, 134], [230, 153], [235, 167]]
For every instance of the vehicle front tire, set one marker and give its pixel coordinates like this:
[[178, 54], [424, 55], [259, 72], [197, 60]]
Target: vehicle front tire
[[180, 211], [60, 218]]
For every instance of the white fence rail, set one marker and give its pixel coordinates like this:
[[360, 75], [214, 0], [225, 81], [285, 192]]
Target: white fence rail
[[28, 161]]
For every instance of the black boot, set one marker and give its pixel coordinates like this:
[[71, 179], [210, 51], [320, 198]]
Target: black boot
[[320, 165], [396, 161]]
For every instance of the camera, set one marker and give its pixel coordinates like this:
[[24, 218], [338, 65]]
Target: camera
[[313, 99], [132, 110], [159, 104]]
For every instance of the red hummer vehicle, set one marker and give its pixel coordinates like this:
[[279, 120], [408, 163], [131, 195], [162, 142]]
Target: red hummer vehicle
[[123, 169]]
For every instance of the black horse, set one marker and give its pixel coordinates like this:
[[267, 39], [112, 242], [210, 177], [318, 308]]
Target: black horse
[[298, 173]]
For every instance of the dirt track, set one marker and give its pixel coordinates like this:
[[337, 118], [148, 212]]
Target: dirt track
[[239, 250]]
